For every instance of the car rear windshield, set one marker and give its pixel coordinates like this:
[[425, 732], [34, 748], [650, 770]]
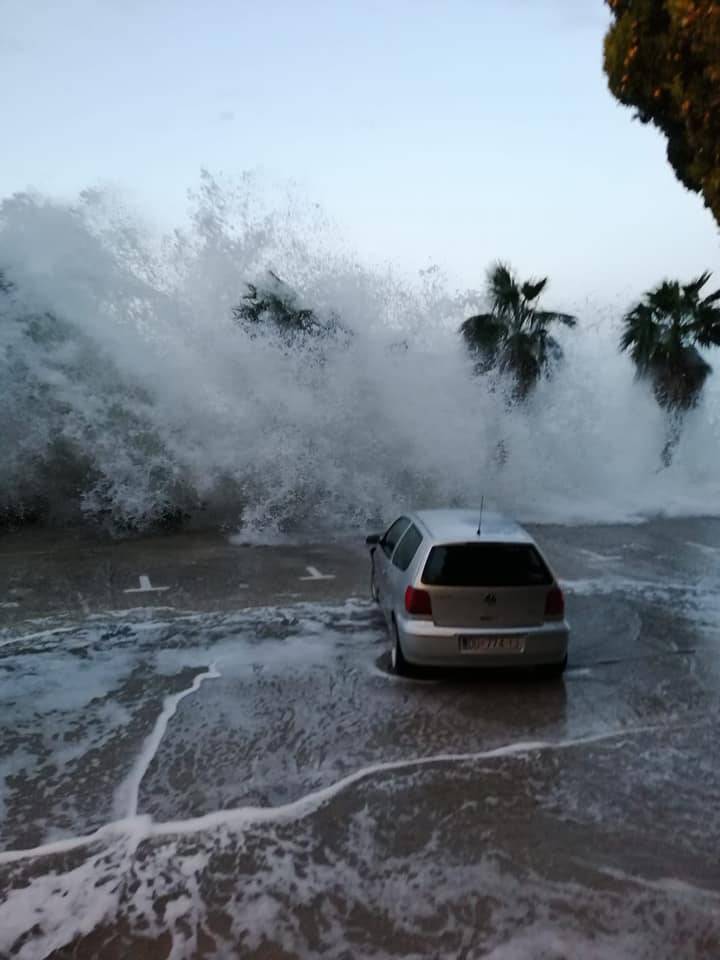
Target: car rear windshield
[[486, 565]]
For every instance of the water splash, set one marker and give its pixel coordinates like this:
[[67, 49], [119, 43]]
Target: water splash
[[130, 396]]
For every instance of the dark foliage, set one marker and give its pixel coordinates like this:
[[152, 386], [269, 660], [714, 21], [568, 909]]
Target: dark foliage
[[275, 302], [662, 334], [663, 58], [514, 336]]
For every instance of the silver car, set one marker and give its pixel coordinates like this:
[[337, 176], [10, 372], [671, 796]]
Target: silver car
[[462, 589]]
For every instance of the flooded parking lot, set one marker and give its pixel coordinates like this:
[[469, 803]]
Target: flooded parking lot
[[203, 753]]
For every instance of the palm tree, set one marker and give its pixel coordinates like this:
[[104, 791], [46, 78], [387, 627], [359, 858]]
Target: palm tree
[[662, 334], [275, 301], [514, 335]]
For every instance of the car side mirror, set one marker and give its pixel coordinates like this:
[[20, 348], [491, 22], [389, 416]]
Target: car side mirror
[[372, 539]]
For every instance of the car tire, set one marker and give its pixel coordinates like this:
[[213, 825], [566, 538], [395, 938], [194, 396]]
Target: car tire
[[554, 670], [398, 663]]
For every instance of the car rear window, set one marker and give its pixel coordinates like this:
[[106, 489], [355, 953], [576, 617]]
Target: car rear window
[[486, 565]]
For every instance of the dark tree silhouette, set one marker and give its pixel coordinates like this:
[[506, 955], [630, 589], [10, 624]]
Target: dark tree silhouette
[[514, 336], [277, 303], [662, 334], [663, 58]]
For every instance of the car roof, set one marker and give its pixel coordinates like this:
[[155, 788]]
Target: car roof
[[461, 526]]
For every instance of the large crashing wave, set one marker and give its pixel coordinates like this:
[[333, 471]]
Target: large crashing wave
[[130, 397]]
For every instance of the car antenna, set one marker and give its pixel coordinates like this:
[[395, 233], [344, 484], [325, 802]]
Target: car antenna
[[482, 504]]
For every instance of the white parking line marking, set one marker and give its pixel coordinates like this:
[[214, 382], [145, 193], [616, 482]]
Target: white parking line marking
[[316, 575], [145, 586]]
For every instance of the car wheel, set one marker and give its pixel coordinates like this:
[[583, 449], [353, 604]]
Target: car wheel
[[554, 670], [398, 663]]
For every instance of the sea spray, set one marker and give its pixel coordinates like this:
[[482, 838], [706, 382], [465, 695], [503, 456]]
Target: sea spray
[[130, 396]]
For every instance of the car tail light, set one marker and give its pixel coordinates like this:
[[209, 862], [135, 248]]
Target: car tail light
[[418, 602], [555, 603]]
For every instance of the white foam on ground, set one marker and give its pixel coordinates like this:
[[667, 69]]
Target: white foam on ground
[[542, 943], [309, 803], [10, 635], [75, 902], [126, 797], [69, 699], [115, 876], [351, 895], [609, 583]]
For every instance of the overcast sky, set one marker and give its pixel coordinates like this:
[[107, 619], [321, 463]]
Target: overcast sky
[[450, 132]]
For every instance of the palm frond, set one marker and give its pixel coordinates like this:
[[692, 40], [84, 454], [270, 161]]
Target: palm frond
[[514, 335], [641, 335], [276, 302], [705, 325], [483, 332], [692, 289], [662, 334], [503, 289], [665, 299], [519, 355], [548, 352], [531, 291], [712, 298], [678, 383]]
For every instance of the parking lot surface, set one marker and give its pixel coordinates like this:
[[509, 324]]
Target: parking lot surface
[[203, 753]]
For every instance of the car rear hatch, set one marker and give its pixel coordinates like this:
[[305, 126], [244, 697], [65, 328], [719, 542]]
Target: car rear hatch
[[492, 585]]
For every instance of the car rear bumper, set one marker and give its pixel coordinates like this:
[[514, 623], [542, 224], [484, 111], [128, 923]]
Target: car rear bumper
[[425, 644]]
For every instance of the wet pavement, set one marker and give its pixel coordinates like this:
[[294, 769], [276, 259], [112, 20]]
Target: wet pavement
[[203, 754]]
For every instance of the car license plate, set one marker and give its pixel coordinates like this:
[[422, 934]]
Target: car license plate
[[491, 644]]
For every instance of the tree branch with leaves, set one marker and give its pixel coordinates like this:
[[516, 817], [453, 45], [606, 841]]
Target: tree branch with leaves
[[662, 57]]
